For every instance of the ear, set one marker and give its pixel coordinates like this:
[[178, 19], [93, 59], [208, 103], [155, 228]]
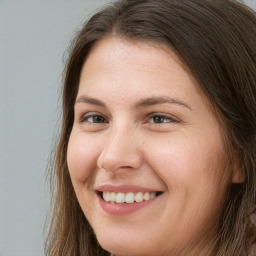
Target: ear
[[238, 172]]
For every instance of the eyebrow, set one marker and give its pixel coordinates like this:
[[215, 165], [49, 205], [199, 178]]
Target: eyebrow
[[160, 100], [142, 103], [93, 101]]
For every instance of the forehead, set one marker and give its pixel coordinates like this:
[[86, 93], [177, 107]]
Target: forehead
[[124, 66], [114, 58]]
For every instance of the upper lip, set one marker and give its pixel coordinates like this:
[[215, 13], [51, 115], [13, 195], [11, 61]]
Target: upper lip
[[124, 188]]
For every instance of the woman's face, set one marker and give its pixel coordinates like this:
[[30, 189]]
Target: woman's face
[[144, 137]]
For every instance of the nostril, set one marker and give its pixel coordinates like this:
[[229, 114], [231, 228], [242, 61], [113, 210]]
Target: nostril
[[120, 157]]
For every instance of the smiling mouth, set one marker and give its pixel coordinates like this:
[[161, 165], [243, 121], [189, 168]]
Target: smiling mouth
[[128, 198]]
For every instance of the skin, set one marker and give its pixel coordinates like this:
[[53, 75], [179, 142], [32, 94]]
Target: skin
[[182, 156]]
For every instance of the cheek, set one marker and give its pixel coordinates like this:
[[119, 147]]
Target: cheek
[[187, 164], [81, 158], [193, 174]]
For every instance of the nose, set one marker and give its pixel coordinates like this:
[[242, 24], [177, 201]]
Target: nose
[[121, 152]]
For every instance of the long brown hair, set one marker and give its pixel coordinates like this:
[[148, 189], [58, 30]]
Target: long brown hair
[[216, 39]]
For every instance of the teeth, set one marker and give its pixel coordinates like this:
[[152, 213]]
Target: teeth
[[120, 198], [146, 196], [112, 197], [152, 195], [105, 196], [129, 198]]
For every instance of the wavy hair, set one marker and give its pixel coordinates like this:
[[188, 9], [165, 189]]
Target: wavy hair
[[216, 40]]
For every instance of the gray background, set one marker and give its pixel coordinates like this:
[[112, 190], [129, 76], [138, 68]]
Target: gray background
[[34, 36]]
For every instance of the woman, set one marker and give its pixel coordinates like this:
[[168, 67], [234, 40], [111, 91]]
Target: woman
[[157, 150]]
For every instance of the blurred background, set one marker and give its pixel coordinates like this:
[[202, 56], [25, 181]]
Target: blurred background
[[34, 38]]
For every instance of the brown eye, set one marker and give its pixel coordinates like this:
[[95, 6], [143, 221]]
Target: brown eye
[[94, 119], [158, 119]]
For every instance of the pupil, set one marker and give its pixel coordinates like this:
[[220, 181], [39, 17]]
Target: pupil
[[98, 119], [158, 119]]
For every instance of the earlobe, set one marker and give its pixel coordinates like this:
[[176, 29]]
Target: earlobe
[[238, 177], [238, 173]]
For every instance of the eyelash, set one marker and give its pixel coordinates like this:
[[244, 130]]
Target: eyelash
[[153, 116], [160, 118], [93, 115]]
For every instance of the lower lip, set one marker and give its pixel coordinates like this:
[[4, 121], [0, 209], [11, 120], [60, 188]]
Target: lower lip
[[123, 209]]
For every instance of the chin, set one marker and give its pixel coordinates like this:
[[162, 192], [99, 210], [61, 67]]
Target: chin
[[124, 245]]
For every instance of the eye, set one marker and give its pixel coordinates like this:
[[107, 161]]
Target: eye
[[159, 119], [93, 118]]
